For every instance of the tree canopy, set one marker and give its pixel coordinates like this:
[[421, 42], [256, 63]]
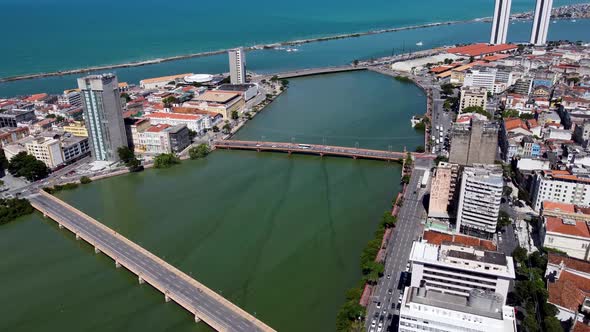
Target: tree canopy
[[28, 166], [199, 151], [166, 160]]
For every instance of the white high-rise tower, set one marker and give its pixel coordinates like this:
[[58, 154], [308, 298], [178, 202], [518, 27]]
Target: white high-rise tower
[[237, 66], [500, 22], [541, 22]]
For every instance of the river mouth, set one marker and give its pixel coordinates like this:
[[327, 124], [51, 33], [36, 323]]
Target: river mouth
[[273, 233]]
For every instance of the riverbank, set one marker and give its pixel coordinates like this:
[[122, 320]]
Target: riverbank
[[518, 16]]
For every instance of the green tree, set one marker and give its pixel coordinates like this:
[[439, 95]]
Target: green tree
[[234, 115], [168, 101], [519, 254], [420, 149], [199, 151], [355, 62], [530, 323], [125, 154], [477, 109], [406, 179], [13, 208], [27, 166], [552, 324], [85, 180], [284, 82], [165, 160], [215, 129], [226, 128], [447, 88]]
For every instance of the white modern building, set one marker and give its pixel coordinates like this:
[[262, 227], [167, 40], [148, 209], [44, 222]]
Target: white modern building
[[480, 198], [541, 22], [103, 115], [193, 122], [560, 186], [48, 150], [428, 310], [483, 78], [237, 66], [500, 22], [457, 269]]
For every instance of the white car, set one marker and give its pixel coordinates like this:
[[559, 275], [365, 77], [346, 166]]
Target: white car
[[378, 305], [373, 324], [408, 267], [380, 327], [401, 296]]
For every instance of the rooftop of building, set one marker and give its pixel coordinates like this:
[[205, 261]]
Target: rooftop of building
[[549, 206], [164, 78], [440, 238], [236, 87], [36, 97], [565, 226], [515, 123], [157, 128], [479, 49], [177, 116], [569, 262], [565, 175], [479, 302], [14, 112], [215, 96], [569, 291]]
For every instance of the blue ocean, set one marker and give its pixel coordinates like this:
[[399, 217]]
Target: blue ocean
[[65, 34]]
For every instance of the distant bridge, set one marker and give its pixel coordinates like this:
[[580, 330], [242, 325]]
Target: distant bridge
[[318, 71], [316, 149], [200, 301]]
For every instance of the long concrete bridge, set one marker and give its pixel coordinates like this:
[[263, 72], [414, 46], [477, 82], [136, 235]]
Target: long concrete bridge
[[318, 71], [200, 301], [321, 150]]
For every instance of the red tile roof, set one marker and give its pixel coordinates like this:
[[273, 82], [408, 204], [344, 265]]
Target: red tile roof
[[514, 123], [36, 97], [158, 128], [559, 207], [569, 291], [438, 238], [177, 116], [481, 49], [557, 225], [581, 327], [569, 262]]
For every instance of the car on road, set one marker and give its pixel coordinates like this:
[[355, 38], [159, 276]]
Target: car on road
[[389, 276], [408, 267], [380, 327], [401, 296], [378, 305], [390, 291]]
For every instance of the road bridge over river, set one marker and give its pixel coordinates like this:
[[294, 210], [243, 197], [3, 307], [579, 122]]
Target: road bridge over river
[[200, 301], [321, 150]]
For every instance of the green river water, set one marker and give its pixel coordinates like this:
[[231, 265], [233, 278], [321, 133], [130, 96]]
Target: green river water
[[279, 236]]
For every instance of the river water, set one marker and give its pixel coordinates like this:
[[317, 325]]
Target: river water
[[279, 236]]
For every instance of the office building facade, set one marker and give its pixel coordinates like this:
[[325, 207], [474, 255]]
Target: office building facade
[[473, 96], [237, 66], [103, 115], [500, 22], [479, 199], [541, 22]]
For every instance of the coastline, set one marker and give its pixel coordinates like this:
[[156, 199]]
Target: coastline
[[247, 48]]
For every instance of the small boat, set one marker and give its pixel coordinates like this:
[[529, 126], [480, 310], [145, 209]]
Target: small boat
[[292, 50], [419, 43], [573, 21], [554, 21]]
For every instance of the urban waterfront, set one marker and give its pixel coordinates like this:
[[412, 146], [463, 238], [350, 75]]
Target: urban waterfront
[[197, 27], [274, 234], [327, 53]]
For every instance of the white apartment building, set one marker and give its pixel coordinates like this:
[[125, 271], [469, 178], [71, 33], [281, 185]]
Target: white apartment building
[[541, 22], [480, 198], [500, 22], [473, 96], [237, 66], [70, 97], [194, 122], [48, 150], [560, 186], [428, 310], [457, 269], [483, 78]]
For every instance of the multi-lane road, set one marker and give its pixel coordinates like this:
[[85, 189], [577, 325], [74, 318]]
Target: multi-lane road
[[205, 304], [408, 228]]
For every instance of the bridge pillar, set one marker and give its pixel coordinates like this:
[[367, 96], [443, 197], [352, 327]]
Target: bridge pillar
[[77, 236], [166, 298], [321, 154], [257, 150], [197, 319], [353, 157], [96, 250], [140, 279], [60, 226], [117, 264], [44, 215], [289, 152]]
